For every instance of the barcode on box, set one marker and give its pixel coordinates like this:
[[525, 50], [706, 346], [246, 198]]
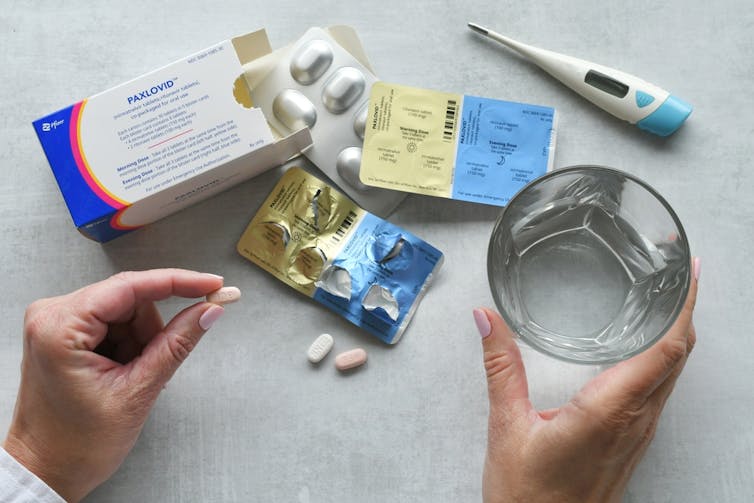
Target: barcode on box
[[450, 121]]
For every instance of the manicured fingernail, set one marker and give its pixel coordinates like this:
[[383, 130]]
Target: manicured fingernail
[[210, 316], [482, 323], [697, 268]]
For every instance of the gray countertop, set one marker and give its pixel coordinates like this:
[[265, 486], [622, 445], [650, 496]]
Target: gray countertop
[[247, 418]]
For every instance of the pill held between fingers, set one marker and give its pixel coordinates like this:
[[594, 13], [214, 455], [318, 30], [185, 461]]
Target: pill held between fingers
[[350, 359], [319, 348], [224, 295]]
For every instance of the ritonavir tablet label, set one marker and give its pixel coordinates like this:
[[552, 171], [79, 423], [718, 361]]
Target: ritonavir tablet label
[[455, 146]]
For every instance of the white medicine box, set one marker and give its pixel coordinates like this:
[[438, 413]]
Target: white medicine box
[[173, 137]]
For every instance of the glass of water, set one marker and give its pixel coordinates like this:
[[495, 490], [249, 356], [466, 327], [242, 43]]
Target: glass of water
[[589, 264]]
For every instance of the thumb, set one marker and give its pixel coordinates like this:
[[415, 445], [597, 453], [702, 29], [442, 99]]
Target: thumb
[[506, 378], [168, 349]]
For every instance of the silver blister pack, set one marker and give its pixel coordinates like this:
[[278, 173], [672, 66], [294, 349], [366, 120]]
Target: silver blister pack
[[320, 85]]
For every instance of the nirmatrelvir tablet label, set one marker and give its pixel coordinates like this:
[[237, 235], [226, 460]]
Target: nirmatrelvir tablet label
[[455, 146], [319, 242]]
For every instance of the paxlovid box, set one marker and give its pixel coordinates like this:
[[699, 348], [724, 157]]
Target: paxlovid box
[[154, 145]]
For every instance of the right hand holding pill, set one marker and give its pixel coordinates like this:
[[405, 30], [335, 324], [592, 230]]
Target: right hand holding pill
[[587, 449], [94, 362]]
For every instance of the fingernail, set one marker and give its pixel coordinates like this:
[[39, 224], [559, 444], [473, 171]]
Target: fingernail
[[214, 275], [210, 316], [482, 323], [697, 268]]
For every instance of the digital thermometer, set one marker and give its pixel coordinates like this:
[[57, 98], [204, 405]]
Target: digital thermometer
[[625, 96]]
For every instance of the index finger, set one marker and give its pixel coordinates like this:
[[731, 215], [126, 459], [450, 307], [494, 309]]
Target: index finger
[[114, 299], [634, 380]]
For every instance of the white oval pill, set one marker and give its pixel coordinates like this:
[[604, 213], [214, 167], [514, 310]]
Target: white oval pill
[[350, 359], [319, 348], [224, 295]]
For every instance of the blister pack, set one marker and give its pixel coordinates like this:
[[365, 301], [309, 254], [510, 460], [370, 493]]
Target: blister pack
[[456, 146], [316, 240], [318, 84]]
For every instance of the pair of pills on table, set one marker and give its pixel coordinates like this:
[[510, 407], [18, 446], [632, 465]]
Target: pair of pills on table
[[319, 348], [343, 361]]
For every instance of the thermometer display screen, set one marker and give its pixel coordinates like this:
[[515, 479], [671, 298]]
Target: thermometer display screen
[[605, 83]]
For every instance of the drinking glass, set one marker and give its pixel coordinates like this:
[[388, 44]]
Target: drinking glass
[[589, 264]]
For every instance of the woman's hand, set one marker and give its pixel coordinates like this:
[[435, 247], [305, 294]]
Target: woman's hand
[[586, 450], [94, 362]]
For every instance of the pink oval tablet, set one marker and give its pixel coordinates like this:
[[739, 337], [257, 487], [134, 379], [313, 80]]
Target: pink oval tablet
[[224, 295], [350, 359]]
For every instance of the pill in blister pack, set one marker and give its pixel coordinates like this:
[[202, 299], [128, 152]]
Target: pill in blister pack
[[294, 110], [343, 89], [320, 243], [320, 85], [311, 61]]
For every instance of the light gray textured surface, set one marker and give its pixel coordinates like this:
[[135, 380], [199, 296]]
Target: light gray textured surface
[[247, 418]]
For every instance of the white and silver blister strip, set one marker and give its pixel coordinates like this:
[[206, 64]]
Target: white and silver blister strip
[[333, 132]]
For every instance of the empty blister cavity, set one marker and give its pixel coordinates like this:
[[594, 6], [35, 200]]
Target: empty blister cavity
[[311, 61], [360, 121], [320, 208], [343, 89], [306, 266], [391, 250], [395, 252], [271, 237], [348, 164], [338, 251], [335, 281], [379, 299], [294, 110], [314, 208], [319, 348]]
